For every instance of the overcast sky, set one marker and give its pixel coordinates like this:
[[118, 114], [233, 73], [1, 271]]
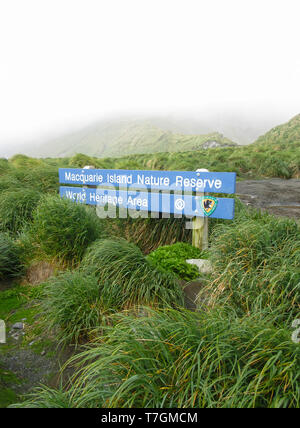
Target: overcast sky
[[66, 63]]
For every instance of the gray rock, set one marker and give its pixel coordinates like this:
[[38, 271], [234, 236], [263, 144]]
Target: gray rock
[[18, 326], [203, 265]]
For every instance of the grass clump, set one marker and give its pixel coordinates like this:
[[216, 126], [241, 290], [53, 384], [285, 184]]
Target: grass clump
[[16, 208], [4, 166], [257, 265], [72, 305], [172, 258], [63, 229], [150, 233], [113, 275], [11, 265], [126, 278], [80, 160], [41, 177], [45, 398], [182, 359]]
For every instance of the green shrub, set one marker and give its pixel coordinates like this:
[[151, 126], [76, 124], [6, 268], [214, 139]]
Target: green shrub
[[126, 278], [187, 360], [63, 229], [72, 305], [10, 258], [172, 258], [16, 208]]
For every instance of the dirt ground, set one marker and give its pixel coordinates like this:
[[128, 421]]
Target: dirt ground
[[277, 196]]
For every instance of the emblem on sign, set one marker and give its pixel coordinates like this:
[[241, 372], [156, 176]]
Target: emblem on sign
[[208, 204], [179, 204]]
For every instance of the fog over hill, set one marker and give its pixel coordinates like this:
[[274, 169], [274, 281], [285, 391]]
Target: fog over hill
[[119, 136]]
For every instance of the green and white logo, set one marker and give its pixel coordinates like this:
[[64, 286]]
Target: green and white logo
[[208, 204]]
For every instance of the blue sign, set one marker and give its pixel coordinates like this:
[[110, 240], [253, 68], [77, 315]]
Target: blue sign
[[213, 182], [188, 205]]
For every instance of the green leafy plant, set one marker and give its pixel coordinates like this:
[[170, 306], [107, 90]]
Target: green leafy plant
[[172, 258]]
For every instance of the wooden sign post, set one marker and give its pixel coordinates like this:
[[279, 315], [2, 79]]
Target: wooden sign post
[[200, 224]]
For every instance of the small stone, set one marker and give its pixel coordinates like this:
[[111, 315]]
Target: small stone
[[203, 265], [18, 326], [31, 343], [43, 353]]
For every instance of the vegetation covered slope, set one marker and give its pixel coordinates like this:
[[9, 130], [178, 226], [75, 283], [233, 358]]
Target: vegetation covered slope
[[258, 160], [288, 133], [124, 138]]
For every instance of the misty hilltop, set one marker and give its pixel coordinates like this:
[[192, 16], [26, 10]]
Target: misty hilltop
[[121, 136], [125, 137]]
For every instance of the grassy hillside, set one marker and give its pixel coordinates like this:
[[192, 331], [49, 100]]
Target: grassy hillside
[[258, 160], [121, 138], [288, 133], [276, 154]]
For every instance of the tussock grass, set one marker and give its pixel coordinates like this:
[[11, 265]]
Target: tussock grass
[[23, 161], [46, 398], [150, 233], [63, 229], [11, 264], [4, 166], [113, 275], [257, 265], [181, 359], [42, 177], [72, 305], [16, 208], [126, 278]]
